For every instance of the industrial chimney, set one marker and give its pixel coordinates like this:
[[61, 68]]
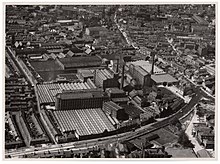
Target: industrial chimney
[[153, 55]]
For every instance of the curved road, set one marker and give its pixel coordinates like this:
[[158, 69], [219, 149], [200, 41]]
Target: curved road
[[80, 145]]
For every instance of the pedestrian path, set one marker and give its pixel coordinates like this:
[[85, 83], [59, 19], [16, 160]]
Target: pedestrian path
[[189, 133]]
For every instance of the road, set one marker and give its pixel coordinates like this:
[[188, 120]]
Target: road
[[129, 42], [79, 145], [76, 146], [25, 71], [189, 133], [204, 93]]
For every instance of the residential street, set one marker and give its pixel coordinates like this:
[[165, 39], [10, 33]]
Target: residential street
[[189, 133]]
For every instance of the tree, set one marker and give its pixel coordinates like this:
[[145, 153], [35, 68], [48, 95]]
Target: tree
[[37, 8], [147, 58], [184, 140], [175, 122], [164, 83], [200, 113]]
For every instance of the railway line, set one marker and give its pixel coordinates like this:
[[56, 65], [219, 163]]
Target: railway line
[[13, 63], [85, 144], [23, 70], [79, 145]]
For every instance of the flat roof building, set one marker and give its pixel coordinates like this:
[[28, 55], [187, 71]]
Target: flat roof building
[[160, 79], [48, 92], [80, 99], [83, 122], [80, 62], [141, 72], [147, 66]]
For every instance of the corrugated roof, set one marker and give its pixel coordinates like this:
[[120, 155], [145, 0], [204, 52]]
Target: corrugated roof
[[113, 105], [47, 92], [84, 121]]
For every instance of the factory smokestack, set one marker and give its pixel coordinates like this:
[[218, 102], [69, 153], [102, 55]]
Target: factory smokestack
[[152, 69], [122, 76], [126, 59]]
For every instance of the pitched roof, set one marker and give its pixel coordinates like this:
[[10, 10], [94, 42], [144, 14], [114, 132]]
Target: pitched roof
[[132, 111], [83, 121], [47, 92]]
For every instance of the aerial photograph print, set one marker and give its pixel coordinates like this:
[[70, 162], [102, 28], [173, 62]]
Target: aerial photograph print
[[104, 81]]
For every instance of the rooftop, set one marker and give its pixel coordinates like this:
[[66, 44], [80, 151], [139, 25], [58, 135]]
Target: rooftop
[[79, 94], [86, 72], [77, 62], [132, 110], [113, 105], [73, 95], [147, 66], [163, 78], [203, 153], [115, 91], [165, 137], [84, 121], [47, 92], [97, 29], [180, 152]]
